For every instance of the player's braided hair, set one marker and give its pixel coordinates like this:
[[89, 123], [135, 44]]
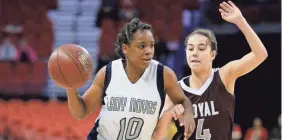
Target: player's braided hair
[[207, 33], [127, 34]]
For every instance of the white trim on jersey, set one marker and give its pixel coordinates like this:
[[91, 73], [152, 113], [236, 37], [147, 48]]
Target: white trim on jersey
[[201, 90]]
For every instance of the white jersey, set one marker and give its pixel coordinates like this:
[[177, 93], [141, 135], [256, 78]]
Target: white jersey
[[129, 111]]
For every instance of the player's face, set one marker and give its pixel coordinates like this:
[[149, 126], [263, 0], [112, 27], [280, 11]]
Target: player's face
[[141, 50], [198, 53]]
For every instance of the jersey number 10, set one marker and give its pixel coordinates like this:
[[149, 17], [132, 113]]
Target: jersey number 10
[[130, 133]]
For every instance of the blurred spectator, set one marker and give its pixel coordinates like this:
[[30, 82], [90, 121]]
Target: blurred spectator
[[276, 131], [109, 10], [257, 132], [128, 9], [191, 15], [13, 29], [173, 47], [273, 8], [161, 50], [237, 132], [25, 52], [106, 46], [7, 134], [7, 49]]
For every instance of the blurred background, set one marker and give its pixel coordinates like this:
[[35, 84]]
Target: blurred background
[[32, 107]]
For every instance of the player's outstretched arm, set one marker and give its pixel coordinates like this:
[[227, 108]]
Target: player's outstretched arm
[[91, 101], [234, 69], [177, 96]]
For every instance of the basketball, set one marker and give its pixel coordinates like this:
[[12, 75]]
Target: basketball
[[70, 66]]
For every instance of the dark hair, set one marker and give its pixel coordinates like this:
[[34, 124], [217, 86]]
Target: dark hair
[[207, 33], [127, 34]]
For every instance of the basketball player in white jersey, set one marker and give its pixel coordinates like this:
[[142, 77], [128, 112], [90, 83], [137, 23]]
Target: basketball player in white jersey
[[211, 90], [130, 91]]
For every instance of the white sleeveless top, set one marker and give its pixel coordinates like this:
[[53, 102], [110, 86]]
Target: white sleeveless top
[[129, 111]]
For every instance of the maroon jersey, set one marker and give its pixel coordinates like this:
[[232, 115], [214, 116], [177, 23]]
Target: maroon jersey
[[213, 109]]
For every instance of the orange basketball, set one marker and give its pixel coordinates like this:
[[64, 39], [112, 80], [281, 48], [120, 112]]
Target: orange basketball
[[70, 66]]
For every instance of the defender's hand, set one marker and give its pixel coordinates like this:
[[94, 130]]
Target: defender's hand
[[230, 12]]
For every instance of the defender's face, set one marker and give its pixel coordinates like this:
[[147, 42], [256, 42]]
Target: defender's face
[[198, 52], [141, 50]]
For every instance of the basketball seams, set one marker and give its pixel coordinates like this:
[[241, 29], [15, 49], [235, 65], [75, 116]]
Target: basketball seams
[[60, 68], [73, 60], [66, 74]]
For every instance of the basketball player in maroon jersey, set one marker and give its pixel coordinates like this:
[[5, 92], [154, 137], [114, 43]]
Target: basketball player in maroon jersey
[[211, 90]]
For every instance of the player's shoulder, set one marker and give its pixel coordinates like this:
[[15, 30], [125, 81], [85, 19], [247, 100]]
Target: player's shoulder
[[105, 71], [100, 76], [155, 66], [104, 75], [155, 62], [169, 76], [119, 60], [160, 65], [162, 68], [115, 64]]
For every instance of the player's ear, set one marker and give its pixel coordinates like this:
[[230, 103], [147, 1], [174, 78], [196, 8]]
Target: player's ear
[[124, 49], [213, 55]]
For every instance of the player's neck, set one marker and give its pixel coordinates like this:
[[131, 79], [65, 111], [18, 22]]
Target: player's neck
[[133, 73], [198, 79]]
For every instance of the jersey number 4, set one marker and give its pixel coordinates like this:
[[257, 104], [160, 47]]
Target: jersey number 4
[[206, 132], [134, 127]]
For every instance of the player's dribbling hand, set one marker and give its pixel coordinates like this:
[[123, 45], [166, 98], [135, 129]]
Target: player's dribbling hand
[[230, 12], [189, 124]]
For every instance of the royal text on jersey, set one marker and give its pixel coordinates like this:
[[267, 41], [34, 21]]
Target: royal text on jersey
[[204, 109]]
